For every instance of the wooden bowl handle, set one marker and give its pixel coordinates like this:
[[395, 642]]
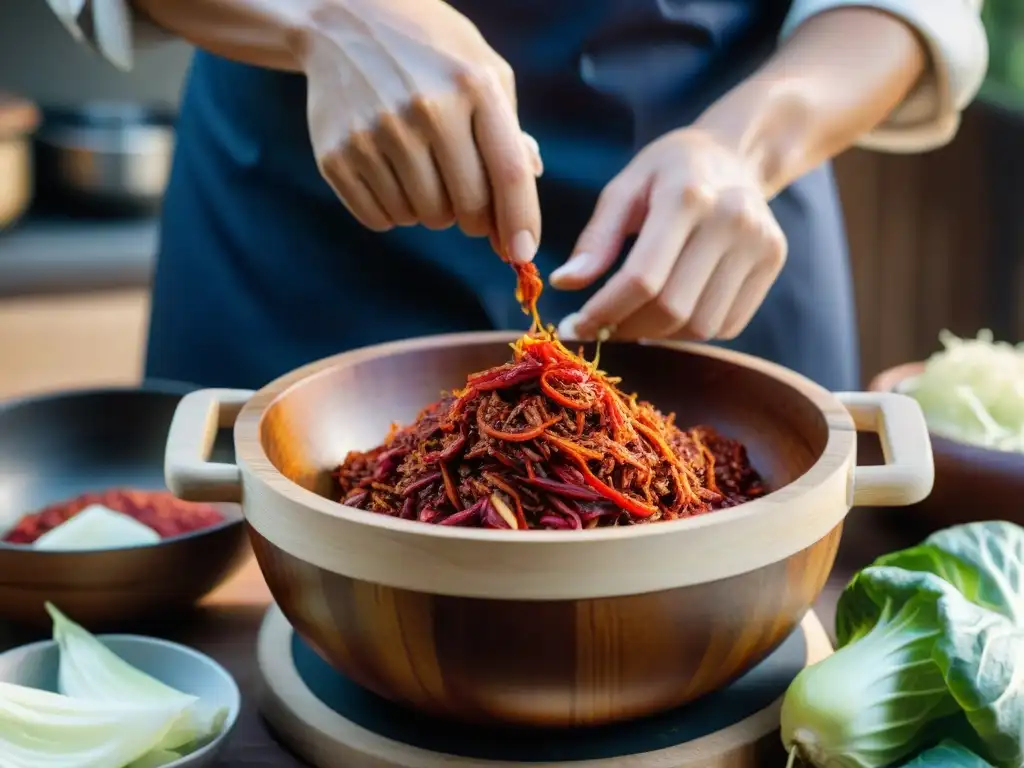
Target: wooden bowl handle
[[909, 471], [188, 471]]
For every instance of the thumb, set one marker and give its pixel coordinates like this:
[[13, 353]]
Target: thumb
[[618, 214]]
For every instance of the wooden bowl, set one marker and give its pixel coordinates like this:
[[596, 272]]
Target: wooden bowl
[[56, 446], [544, 628], [972, 483]]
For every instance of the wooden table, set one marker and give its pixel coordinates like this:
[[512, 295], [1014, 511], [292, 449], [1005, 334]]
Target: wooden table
[[226, 625]]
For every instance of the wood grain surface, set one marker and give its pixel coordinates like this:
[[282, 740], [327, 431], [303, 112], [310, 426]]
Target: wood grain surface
[[339, 728], [598, 661], [288, 436], [935, 240], [69, 342]]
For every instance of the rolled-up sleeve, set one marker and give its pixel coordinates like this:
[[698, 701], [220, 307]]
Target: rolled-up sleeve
[[929, 116], [109, 26]]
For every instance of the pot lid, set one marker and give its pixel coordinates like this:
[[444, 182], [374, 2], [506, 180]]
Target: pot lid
[[110, 114]]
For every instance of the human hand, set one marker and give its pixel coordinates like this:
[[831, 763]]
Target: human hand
[[708, 247], [412, 117]]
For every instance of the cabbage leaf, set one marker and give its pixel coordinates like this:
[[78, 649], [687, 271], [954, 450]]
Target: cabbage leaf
[[930, 645], [90, 670], [948, 754], [41, 729], [974, 575]]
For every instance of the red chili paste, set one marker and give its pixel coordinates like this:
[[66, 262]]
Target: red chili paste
[[160, 510]]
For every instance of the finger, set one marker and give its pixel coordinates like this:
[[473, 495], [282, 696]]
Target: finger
[[647, 268], [507, 79], [355, 195], [513, 184], [451, 136], [672, 309], [567, 327], [719, 295], [375, 170], [409, 154], [618, 214], [749, 299], [772, 247]]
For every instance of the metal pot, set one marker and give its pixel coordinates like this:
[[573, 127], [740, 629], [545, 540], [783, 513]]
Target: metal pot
[[18, 120], [110, 157]]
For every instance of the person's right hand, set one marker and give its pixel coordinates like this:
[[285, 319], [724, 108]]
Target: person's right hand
[[412, 117]]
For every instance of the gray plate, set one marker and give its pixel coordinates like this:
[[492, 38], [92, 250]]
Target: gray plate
[[189, 671]]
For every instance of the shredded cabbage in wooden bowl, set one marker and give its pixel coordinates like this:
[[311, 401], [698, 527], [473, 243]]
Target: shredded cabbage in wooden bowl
[[973, 391]]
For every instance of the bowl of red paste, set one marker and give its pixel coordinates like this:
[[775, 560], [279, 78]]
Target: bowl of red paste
[[85, 519]]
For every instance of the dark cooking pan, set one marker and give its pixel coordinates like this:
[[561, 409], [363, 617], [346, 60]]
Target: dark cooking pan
[[56, 446]]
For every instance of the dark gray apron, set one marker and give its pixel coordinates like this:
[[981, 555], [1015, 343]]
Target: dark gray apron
[[262, 270]]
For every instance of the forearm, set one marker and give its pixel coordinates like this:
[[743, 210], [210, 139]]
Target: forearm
[[836, 78], [264, 33]]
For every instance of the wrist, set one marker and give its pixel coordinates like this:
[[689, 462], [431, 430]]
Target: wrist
[[767, 125], [302, 25], [332, 26], [264, 33]]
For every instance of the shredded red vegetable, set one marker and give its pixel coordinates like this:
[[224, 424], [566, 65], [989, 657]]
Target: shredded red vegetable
[[160, 510], [546, 441]]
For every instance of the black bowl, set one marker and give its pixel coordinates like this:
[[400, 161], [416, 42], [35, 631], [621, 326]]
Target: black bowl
[[56, 446]]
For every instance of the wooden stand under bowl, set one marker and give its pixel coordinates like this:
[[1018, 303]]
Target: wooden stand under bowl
[[333, 723]]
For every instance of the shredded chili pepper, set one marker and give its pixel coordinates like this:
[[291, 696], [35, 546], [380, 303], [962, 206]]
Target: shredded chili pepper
[[528, 289], [160, 510], [546, 441], [516, 437], [547, 386]]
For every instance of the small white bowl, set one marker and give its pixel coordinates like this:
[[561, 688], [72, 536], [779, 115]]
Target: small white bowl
[[35, 665]]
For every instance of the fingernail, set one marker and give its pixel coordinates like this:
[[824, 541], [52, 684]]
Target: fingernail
[[533, 150], [567, 328], [531, 144], [574, 327], [576, 267], [524, 247]]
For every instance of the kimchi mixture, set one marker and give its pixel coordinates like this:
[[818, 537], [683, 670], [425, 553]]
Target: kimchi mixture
[[546, 441]]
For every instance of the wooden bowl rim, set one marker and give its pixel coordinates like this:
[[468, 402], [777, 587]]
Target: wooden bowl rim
[[839, 453]]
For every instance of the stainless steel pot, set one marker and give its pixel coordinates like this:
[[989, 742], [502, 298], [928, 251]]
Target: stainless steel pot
[[109, 156], [18, 120]]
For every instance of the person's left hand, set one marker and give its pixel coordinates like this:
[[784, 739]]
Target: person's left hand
[[708, 247]]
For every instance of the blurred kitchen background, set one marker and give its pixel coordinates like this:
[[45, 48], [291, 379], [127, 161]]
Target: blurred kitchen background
[[937, 240]]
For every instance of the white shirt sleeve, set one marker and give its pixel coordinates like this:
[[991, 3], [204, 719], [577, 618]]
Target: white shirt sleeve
[[929, 116], [110, 26]]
